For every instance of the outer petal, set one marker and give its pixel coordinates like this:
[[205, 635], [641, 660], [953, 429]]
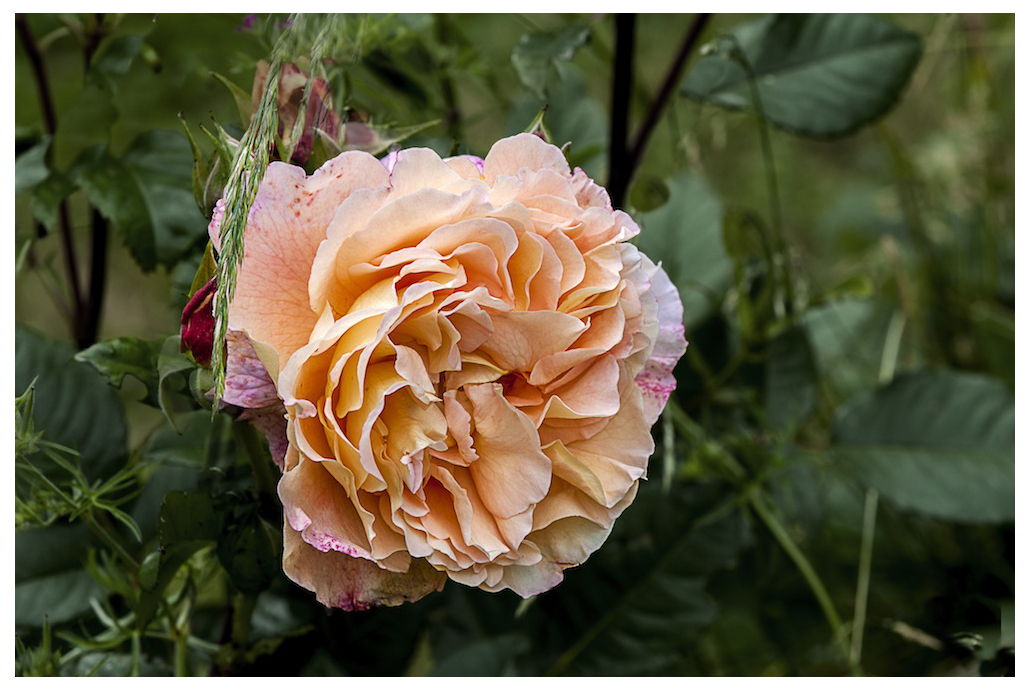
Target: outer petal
[[271, 421], [354, 584], [286, 224], [510, 155], [656, 381], [247, 383]]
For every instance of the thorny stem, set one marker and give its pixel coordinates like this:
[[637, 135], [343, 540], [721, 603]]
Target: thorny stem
[[84, 313], [98, 245]]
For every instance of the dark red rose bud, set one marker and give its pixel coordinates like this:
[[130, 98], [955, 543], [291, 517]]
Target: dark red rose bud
[[198, 324]]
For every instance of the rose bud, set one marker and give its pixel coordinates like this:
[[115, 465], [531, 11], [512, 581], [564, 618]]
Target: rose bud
[[198, 324], [318, 114]]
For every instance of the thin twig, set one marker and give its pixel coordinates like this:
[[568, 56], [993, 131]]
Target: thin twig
[[783, 275], [665, 91], [50, 122]]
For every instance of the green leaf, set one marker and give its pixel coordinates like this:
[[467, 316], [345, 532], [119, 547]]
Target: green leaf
[[171, 379], [188, 523], [114, 60], [148, 570], [820, 75], [30, 168], [648, 193], [937, 442], [847, 338], [73, 404], [147, 195], [791, 381], [86, 122], [249, 552], [101, 664], [120, 356], [686, 236], [202, 169], [574, 117], [160, 162], [47, 196], [111, 188], [188, 517], [537, 54], [48, 574], [58, 598]]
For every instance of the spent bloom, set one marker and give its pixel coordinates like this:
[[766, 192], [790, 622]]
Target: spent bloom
[[457, 362]]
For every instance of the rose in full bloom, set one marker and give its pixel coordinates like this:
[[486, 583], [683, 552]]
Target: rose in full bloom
[[468, 356]]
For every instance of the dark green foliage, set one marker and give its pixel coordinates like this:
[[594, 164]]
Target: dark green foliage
[[818, 75], [938, 442], [537, 54], [696, 261], [74, 406], [145, 196]]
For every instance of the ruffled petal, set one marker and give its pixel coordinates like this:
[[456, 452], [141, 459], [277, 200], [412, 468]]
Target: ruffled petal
[[354, 584]]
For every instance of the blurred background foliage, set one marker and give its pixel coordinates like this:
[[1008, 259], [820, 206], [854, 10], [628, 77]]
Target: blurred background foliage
[[834, 486]]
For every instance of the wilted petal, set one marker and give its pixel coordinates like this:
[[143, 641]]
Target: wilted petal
[[354, 584]]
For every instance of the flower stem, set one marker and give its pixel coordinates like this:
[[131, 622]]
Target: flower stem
[[242, 611], [865, 561], [779, 532]]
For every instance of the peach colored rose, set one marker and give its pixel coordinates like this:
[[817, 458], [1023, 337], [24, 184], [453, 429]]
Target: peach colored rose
[[470, 356]]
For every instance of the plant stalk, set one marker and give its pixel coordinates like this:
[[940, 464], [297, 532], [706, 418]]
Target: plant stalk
[[619, 169], [865, 561], [50, 123], [666, 90], [804, 566]]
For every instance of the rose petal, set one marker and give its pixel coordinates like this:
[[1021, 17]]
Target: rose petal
[[512, 473], [354, 584], [656, 381], [286, 224]]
